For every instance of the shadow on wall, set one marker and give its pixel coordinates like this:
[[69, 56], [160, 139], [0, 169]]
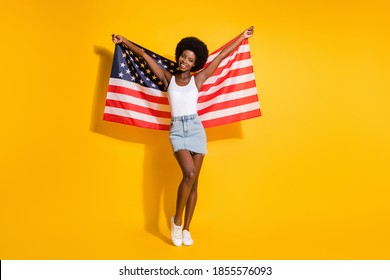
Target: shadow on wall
[[162, 174]]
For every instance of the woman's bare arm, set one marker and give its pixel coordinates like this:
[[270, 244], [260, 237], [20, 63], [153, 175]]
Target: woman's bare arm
[[203, 75], [164, 75]]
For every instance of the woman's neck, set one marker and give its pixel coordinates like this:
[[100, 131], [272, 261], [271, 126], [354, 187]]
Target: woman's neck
[[183, 75]]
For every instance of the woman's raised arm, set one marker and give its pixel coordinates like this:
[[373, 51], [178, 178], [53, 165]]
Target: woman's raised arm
[[203, 75], [164, 75]]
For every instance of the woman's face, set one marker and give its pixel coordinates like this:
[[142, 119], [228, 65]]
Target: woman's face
[[186, 60]]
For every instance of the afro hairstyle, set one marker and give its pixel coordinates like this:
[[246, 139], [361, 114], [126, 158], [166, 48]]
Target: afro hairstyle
[[197, 47]]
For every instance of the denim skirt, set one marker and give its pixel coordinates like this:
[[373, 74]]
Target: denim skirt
[[187, 133]]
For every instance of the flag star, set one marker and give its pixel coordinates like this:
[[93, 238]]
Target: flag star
[[160, 83], [120, 74], [124, 55], [165, 66], [154, 77], [122, 64], [133, 78], [127, 71], [159, 61], [153, 85], [148, 71], [154, 55], [142, 73], [142, 65], [141, 82]]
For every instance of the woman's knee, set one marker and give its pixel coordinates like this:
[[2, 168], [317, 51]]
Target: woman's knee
[[189, 175]]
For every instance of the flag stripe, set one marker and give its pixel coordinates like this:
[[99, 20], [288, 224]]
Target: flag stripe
[[229, 111], [215, 81], [228, 96], [136, 115], [137, 93], [243, 48], [231, 118], [134, 86], [228, 104], [225, 88], [135, 122], [137, 101], [137, 108], [232, 63]]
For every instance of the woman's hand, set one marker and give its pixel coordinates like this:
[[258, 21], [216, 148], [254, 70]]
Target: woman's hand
[[117, 39], [249, 32]]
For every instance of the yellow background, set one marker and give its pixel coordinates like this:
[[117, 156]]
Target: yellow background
[[307, 180]]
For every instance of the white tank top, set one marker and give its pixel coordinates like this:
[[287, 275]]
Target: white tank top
[[183, 99]]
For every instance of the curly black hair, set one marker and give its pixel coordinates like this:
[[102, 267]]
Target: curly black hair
[[195, 45]]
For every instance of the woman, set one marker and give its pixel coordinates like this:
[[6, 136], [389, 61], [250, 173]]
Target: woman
[[187, 135]]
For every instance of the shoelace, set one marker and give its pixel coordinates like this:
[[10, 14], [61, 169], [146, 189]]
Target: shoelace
[[187, 235], [177, 234]]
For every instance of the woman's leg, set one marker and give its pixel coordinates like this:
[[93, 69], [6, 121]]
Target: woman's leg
[[190, 174], [193, 196]]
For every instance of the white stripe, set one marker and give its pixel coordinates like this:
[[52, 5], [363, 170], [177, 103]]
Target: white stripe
[[230, 111], [135, 115], [137, 101], [227, 59], [137, 87], [227, 97], [235, 65], [241, 49], [229, 82]]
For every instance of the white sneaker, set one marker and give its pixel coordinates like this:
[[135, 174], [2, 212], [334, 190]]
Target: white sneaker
[[176, 233], [187, 240]]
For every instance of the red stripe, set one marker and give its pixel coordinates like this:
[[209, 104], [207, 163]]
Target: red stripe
[[232, 58], [229, 104], [232, 118], [138, 94], [135, 122], [228, 89], [245, 42], [230, 74], [137, 108]]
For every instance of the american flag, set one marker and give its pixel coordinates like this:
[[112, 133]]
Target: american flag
[[137, 97]]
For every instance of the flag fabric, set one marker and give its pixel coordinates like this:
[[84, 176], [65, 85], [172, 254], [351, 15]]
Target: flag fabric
[[137, 97]]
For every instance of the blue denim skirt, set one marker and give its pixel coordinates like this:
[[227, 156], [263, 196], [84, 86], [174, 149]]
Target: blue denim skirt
[[187, 133]]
